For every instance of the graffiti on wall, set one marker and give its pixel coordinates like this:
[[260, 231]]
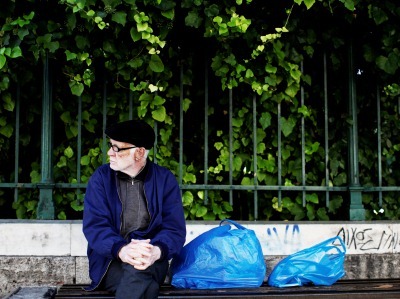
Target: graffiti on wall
[[284, 239], [369, 239], [279, 241]]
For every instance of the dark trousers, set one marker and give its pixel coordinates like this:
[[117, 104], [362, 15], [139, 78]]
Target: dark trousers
[[129, 283]]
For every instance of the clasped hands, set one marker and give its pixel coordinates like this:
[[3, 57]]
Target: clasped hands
[[140, 254]]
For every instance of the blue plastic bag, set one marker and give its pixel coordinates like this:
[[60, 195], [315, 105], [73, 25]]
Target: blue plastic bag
[[321, 264], [220, 258]]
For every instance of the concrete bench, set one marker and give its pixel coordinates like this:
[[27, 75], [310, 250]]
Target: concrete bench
[[354, 289]]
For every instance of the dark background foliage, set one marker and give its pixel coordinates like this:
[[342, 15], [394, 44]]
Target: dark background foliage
[[130, 58]]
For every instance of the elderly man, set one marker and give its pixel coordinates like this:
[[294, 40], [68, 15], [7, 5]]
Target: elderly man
[[133, 216]]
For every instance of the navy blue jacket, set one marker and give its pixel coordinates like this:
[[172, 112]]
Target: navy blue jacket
[[103, 210]]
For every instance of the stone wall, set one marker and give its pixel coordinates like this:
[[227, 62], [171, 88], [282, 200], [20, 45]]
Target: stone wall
[[52, 253]]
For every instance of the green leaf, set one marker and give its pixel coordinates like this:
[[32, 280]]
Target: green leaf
[[189, 178], [77, 205], [288, 125], [201, 211], [9, 104], [309, 3], [249, 73], [169, 14], [156, 65], [119, 17], [211, 11], [265, 120], [70, 55], [237, 163], [81, 42], [135, 63], [186, 104], [378, 15], [142, 27], [7, 130], [335, 203], [187, 198], [388, 64], [62, 216], [298, 212], [16, 52], [247, 181], [270, 69], [85, 160], [62, 162], [76, 88], [2, 61], [312, 198], [135, 35], [66, 117], [310, 212], [68, 152], [349, 4], [292, 90], [227, 206], [193, 19], [159, 114], [109, 46], [223, 29], [157, 101], [35, 176], [322, 215]]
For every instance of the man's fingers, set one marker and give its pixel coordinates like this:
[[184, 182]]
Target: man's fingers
[[140, 241]]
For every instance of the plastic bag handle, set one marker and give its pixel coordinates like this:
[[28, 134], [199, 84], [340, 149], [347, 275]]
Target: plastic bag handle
[[341, 243], [232, 222], [329, 245]]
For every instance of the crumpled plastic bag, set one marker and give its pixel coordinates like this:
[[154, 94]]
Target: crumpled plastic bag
[[321, 264], [220, 258]]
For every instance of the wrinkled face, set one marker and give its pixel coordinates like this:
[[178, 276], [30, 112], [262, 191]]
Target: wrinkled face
[[123, 160]]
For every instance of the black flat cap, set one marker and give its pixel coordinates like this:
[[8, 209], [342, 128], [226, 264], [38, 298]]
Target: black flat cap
[[137, 132]]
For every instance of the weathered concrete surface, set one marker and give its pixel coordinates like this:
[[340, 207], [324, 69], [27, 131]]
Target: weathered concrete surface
[[366, 266], [35, 271], [55, 271], [52, 253], [33, 293], [81, 270]]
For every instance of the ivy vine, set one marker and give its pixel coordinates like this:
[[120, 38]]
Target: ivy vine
[[132, 52]]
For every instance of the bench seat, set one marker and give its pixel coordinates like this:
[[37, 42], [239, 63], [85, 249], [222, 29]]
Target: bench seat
[[354, 289]]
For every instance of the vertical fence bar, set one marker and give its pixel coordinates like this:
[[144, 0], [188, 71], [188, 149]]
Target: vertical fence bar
[[180, 175], [326, 128], [230, 147], [45, 209], [255, 157], [104, 119], [303, 143], [155, 142], [130, 99], [379, 132], [79, 150], [357, 211], [279, 155], [16, 144], [205, 131], [155, 127]]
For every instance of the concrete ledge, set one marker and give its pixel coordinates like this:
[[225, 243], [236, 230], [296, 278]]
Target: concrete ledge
[[52, 253], [65, 238]]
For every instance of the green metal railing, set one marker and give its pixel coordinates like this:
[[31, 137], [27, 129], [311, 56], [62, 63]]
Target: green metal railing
[[355, 190]]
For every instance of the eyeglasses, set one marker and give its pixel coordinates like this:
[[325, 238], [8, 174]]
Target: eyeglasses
[[117, 149]]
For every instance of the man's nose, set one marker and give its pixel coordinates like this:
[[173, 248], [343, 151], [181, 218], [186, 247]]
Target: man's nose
[[110, 152]]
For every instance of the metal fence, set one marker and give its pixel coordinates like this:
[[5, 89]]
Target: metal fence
[[355, 189]]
